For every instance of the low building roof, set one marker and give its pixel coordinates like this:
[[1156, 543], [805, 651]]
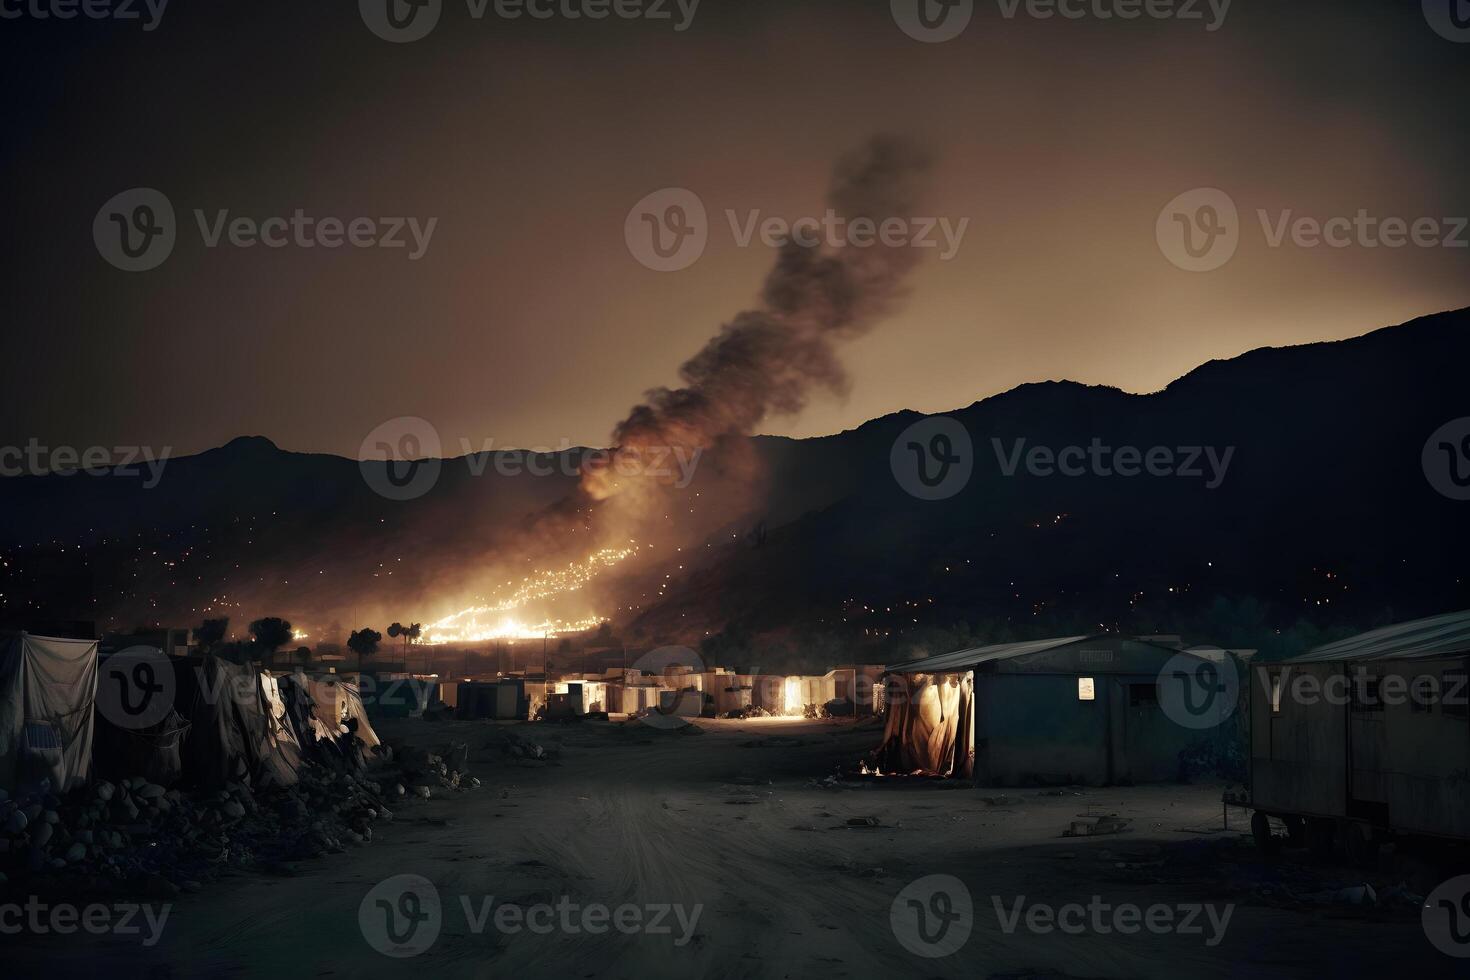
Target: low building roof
[[961, 659], [1420, 639]]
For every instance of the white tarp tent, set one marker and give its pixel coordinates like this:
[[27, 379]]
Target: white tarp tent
[[48, 689]]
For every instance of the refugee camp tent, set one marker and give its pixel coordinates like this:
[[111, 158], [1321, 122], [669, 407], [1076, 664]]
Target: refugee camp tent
[[1367, 736], [1075, 709], [338, 702], [234, 732], [48, 687]]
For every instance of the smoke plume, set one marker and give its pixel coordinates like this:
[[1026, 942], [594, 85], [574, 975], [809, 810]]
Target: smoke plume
[[768, 361]]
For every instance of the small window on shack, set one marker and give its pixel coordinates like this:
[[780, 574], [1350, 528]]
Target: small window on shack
[[1086, 690], [1140, 695], [1456, 694]]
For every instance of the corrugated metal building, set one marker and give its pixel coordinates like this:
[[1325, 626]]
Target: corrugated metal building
[[1093, 710], [1367, 737]]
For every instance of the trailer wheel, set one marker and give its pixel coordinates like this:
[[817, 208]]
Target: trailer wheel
[[1261, 831], [1320, 836], [1360, 844], [1296, 831]]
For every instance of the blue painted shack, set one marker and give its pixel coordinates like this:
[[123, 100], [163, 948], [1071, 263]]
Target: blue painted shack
[[1091, 710]]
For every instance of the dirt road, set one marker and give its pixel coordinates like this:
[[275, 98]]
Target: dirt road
[[760, 870]]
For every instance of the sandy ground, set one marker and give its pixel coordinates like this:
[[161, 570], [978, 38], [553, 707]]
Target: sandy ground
[[784, 886]]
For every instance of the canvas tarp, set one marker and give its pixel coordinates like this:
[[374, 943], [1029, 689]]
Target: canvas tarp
[[48, 689], [931, 725], [234, 734], [337, 701]]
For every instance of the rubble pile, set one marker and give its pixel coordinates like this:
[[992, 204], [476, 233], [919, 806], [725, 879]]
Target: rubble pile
[[136, 836]]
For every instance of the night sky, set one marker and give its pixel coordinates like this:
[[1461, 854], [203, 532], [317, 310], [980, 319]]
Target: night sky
[[527, 321]]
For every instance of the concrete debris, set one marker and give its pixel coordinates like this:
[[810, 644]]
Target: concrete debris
[[132, 836], [1097, 826]]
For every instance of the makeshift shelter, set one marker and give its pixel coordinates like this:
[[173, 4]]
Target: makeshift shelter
[[1367, 736], [1077, 709], [337, 704], [234, 733], [48, 688]]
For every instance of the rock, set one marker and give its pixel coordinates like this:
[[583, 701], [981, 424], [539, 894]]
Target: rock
[[233, 810], [76, 852], [52, 816], [151, 791], [423, 792], [17, 823], [105, 791], [41, 836]]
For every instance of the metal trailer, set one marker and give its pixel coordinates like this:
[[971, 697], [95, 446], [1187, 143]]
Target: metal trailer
[[1362, 741]]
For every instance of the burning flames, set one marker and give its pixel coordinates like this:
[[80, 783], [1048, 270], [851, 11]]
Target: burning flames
[[506, 618]]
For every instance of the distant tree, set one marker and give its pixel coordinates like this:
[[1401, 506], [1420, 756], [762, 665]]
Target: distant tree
[[364, 642], [211, 631], [271, 633], [303, 654]]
